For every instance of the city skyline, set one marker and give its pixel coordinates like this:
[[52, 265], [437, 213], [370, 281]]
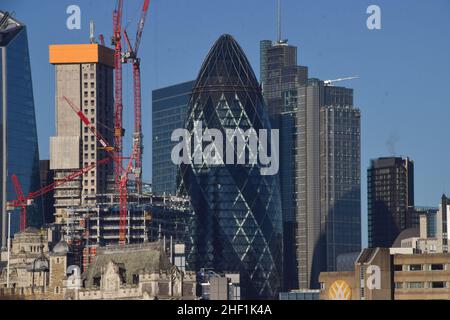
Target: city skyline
[[317, 175], [395, 101]]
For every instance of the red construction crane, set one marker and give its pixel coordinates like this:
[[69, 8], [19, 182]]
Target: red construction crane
[[118, 107], [20, 200], [23, 202], [132, 56], [123, 192], [87, 123]]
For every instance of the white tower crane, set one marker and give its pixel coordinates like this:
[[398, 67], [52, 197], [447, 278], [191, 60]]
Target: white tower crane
[[330, 82]]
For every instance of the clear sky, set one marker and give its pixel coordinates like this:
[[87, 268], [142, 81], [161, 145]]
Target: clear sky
[[403, 90]]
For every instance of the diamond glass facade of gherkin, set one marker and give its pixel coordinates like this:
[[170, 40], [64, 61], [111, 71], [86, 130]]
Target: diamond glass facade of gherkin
[[237, 226]]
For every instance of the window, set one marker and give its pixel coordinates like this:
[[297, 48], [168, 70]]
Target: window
[[399, 285], [435, 267], [437, 285], [398, 267], [415, 285], [415, 267], [56, 290]]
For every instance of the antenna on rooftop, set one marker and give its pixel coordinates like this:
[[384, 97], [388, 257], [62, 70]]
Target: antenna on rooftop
[[91, 31], [279, 21]]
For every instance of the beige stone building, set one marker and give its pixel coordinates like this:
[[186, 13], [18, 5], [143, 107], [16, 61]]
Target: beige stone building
[[124, 272], [380, 275], [84, 74], [370, 278], [29, 260], [422, 276], [141, 271]]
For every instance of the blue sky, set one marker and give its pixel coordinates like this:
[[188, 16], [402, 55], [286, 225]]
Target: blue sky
[[403, 90]]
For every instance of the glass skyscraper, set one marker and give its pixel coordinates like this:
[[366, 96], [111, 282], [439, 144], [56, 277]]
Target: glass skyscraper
[[19, 144], [169, 107], [237, 226]]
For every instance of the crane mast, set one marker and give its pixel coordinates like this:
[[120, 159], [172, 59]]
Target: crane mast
[[132, 56], [118, 107]]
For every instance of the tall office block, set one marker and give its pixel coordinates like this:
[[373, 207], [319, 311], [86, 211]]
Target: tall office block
[[390, 191], [279, 73], [84, 74], [320, 190], [327, 178], [340, 179], [280, 79], [169, 107], [238, 226], [18, 135]]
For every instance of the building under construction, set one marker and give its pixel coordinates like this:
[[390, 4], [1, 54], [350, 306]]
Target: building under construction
[[84, 74], [96, 204], [149, 218]]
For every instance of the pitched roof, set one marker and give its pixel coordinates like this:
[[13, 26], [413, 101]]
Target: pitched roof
[[150, 258]]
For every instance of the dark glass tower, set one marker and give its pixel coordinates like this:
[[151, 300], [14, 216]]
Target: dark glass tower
[[169, 106], [18, 136], [237, 224], [390, 191]]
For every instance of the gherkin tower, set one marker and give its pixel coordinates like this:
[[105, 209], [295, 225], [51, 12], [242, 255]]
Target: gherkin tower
[[237, 224]]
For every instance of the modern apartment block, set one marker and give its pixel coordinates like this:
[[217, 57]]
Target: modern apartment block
[[84, 74], [390, 191], [169, 108], [18, 134]]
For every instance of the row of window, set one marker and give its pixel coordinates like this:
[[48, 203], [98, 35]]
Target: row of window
[[422, 267], [422, 285]]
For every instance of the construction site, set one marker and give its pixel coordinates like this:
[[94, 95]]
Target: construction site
[[100, 199]]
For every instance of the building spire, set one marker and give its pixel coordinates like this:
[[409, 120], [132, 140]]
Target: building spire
[[278, 21]]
